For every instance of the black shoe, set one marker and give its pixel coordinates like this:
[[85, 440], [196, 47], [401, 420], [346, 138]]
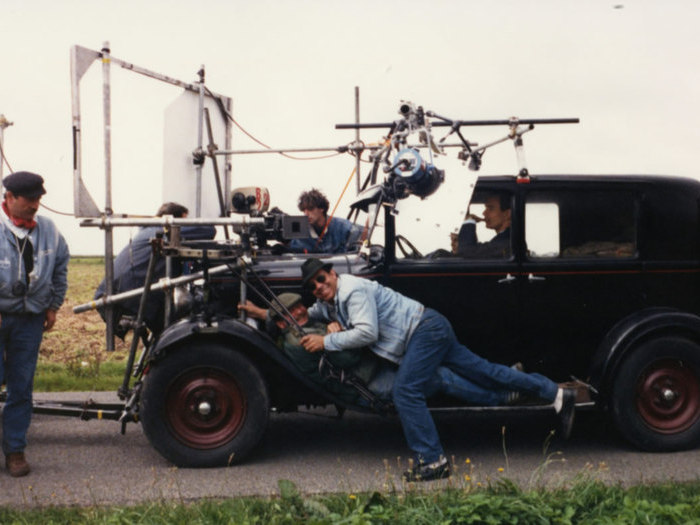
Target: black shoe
[[438, 470], [513, 398], [567, 412]]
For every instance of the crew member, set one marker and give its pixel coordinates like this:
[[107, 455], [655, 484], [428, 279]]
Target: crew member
[[33, 282], [418, 340], [328, 234], [131, 265]]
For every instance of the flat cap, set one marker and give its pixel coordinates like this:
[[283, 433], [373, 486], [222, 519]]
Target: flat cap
[[25, 184], [287, 300]]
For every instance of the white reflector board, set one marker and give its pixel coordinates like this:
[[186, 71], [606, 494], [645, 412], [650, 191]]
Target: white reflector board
[[180, 140]]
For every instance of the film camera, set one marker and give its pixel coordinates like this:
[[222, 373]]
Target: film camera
[[278, 226]]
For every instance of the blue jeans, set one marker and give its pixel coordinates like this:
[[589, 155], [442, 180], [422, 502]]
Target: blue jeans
[[444, 381], [20, 338], [434, 344]]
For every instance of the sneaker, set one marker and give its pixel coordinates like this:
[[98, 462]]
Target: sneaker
[[513, 398], [16, 464], [567, 412], [437, 470]]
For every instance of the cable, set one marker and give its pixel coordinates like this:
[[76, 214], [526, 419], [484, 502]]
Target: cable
[[56, 211], [4, 159], [251, 137]]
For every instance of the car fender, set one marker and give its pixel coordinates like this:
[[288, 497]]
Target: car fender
[[629, 333], [261, 349]]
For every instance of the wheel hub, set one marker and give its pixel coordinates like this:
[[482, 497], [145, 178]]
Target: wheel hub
[[205, 408], [668, 396]]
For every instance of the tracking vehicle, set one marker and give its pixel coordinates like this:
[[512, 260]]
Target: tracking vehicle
[[598, 282]]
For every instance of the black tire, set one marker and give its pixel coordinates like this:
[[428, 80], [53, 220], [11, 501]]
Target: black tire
[[204, 405], [656, 395]]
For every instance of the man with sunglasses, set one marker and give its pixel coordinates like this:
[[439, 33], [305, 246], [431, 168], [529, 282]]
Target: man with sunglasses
[[419, 340], [377, 374]]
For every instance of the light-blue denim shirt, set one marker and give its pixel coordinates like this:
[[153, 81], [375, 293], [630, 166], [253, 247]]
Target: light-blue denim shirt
[[372, 316], [48, 280]]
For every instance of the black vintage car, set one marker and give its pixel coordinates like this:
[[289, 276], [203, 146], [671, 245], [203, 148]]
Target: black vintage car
[[598, 282]]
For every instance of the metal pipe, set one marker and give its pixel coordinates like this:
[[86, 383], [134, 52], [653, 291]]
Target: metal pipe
[[164, 78], [109, 239], [138, 326], [466, 122], [200, 135], [168, 220], [163, 284], [339, 149], [357, 138]]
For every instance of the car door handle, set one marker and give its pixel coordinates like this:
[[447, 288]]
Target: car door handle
[[532, 278], [507, 279]]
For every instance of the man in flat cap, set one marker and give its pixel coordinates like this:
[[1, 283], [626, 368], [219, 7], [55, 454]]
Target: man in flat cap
[[360, 363], [33, 282]]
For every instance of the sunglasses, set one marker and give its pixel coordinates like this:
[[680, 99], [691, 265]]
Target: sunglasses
[[319, 279]]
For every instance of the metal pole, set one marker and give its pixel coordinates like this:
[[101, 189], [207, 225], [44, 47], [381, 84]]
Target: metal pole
[[227, 160], [357, 137], [162, 284], [4, 123], [109, 238], [138, 326], [200, 134]]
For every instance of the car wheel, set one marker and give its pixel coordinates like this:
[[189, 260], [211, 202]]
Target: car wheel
[[204, 405], [656, 396]]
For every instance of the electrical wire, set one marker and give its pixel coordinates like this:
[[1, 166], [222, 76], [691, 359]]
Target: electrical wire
[[257, 141], [4, 159]]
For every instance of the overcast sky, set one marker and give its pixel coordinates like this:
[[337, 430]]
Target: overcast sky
[[628, 69]]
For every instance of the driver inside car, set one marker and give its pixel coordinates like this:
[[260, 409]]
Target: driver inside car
[[497, 217]]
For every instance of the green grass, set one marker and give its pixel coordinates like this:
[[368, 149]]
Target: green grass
[[583, 502], [73, 355], [79, 377]]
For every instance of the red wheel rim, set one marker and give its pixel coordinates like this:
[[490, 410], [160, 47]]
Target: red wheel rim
[[668, 396], [205, 408]]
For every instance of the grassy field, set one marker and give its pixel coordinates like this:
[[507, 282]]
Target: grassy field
[[73, 355]]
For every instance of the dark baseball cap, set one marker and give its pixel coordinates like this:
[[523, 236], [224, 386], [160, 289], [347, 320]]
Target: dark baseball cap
[[24, 184]]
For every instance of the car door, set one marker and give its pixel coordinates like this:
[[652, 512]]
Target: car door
[[581, 272], [476, 291]]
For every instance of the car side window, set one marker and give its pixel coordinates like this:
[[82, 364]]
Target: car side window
[[581, 224]]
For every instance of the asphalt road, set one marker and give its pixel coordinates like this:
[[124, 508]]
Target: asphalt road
[[79, 462]]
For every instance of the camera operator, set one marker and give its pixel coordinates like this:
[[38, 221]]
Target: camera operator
[[328, 234]]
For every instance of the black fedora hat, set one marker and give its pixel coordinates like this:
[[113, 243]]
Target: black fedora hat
[[311, 267]]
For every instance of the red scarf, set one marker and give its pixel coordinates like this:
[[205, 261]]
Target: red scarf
[[22, 223]]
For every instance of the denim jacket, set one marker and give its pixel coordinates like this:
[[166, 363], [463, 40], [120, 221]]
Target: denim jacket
[[339, 236], [48, 280], [372, 315]]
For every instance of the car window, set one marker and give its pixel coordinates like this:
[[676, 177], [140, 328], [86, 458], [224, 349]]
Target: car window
[[581, 224]]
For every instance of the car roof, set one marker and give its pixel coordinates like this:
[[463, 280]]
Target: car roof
[[636, 179]]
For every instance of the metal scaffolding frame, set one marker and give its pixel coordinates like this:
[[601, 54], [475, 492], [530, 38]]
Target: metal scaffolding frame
[[84, 205]]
